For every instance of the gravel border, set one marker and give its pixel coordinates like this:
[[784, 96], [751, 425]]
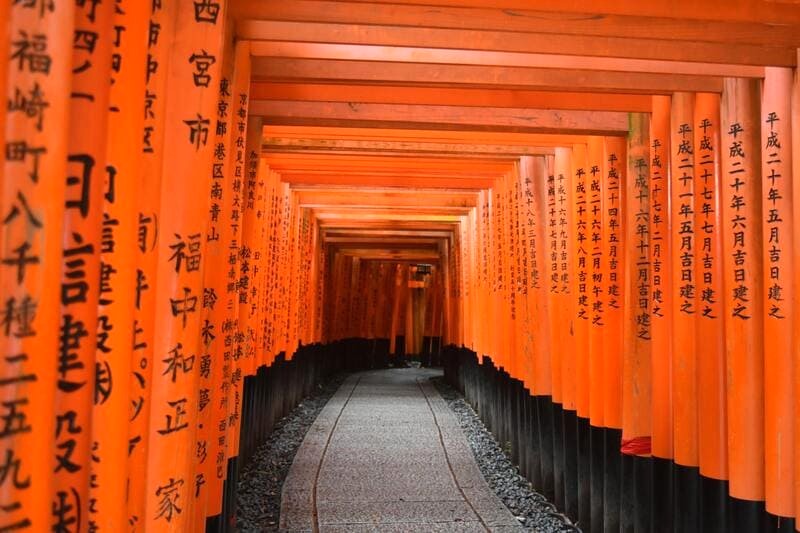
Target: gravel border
[[533, 511], [258, 494]]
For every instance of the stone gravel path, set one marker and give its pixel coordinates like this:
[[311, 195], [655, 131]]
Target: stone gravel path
[[387, 454], [260, 482]]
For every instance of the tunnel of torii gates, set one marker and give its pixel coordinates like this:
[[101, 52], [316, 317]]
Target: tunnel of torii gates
[[582, 209]]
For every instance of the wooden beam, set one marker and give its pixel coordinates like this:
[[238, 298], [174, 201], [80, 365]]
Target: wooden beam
[[395, 148], [377, 240], [506, 41], [391, 254], [332, 189], [380, 94], [451, 56], [385, 215], [409, 244], [429, 244], [400, 155], [474, 184], [392, 232], [424, 135], [431, 75], [762, 11], [365, 225], [356, 162], [441, 117], [587, 23], [389, 212], [358, 197]]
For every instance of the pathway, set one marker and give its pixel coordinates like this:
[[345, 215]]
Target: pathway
[[387, 454]]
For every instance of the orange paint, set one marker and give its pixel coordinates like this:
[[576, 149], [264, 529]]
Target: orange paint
[[795, 144], [597, 279], [532, 207], [82, 285], [552, 261], [661, 229], [511, 304], [115, 332], [778, 266], [711, 370], [615, 156], [636, 386], [148, 235], [743, 305], [581, 278], [684, 256], [252, 221], [215, 369], [191, 94], [31, 181], [562, 315], [5, 45]]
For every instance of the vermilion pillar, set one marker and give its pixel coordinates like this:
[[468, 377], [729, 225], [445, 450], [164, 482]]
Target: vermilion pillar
[[34, 166], [796, 284], [118, 251], [778, 296], [191, 96], [83, 281], [532, 207], [743, 304], [637, 327], [580, 283], [613, 239], [154, 109], [561, 318], [662, 286], [597, 278], [683, 312], [711, 366]]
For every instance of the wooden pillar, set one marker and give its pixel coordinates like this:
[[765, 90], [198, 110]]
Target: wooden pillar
[[5, 45], [581, 278], [614, 237], [222, 240], [82, 284], [743, 305], [553, 281], [191, 104], [710, 342], [498, 259], [661, 230], [159, 45], [637, 326], [597, 276], [115, 333], [532, 207], [271, 294], [562, 316], [683, 193], [251, 237], [778, 295], [484, 302], [637, 332], [34, 166], [513, 267], [795, 149]]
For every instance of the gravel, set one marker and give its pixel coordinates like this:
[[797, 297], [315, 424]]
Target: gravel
[[532, 509], [261, 481]]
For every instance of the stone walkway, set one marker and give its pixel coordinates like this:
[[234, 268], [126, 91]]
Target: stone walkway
[[386, 454]]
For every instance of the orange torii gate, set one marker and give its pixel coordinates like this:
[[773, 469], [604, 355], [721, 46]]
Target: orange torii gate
[[209, 206]]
